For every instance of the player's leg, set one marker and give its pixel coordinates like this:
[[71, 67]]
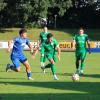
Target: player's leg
[[25, 62], [53, 68], [15, 66], [28, 69], [42, 58], [49, 65], [42, 61], [77, 62], [83, 55]]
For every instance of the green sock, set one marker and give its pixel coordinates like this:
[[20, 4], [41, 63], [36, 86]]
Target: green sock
[[53, 69], [82, 65]]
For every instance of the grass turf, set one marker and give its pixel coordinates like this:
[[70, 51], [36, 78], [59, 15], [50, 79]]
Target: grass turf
[[59, 34], [15, 86]]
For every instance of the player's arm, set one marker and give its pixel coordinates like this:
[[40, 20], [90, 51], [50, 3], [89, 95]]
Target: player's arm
[[35, 53], [39, 42], [73, 45], [59, 51], [9, 45], [30, 47], [89, 48]]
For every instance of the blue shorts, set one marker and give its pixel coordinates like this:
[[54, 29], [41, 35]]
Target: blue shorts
[[16, 59]]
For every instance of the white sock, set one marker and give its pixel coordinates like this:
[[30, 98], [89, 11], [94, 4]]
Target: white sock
[[42, 64]]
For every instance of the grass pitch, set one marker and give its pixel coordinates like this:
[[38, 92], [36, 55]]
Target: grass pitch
[[59, 34], [15, 86]]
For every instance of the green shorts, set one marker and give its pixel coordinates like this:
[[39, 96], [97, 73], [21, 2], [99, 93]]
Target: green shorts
[[80, 55], [51, 56]]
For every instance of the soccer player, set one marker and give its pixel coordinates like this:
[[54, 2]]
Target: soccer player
[[17, 55], [79, 43], [42, 39], [50, 47]]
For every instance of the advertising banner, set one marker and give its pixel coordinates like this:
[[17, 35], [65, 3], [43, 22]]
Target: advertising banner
[[64, 45]]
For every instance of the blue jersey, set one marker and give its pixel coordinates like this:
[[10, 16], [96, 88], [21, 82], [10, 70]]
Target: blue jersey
[[19, 44]]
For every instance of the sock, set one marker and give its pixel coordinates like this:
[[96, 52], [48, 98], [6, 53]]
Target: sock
[[42, 64], [55, 75], [48, 66], [53, 69], [77, 64], [82, 65], [12, 67], [29, 74]]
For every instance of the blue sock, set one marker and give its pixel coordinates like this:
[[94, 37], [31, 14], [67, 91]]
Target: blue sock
[[29, 74]]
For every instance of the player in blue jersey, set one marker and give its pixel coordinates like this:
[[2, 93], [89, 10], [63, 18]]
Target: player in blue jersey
[[17, 55]]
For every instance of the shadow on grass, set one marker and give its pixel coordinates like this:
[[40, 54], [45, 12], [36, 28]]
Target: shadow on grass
[[85, 75], [94, 34], [65, 74], [48, 96], [87, 87], [11, 78], [92, 75]]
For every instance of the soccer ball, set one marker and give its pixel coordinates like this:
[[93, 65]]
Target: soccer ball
[[75, 77]]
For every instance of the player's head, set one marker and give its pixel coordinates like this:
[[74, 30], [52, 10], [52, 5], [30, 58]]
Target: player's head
[[49, 37], [23, 33], [45, 29], [81, 31]]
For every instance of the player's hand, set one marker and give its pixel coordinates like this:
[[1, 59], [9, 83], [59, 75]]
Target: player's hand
[[8, 50], [31, 52]]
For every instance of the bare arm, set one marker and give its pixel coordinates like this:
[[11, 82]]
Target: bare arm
[[9, 45], [59, 51], [88, 43], [73, 45], [31, 48]]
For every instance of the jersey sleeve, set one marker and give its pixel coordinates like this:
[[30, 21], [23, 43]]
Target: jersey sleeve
[[27, 41], [56, 43], [87, 37]]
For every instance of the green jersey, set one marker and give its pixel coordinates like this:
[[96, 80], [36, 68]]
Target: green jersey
[[50, 48], [81, 41], [43, 36]]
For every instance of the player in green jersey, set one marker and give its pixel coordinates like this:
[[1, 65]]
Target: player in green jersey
[[79, 43], [42, 39], [50, 47]]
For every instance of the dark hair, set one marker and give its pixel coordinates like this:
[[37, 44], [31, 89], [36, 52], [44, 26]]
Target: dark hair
[[81, 28], [49, 35], [23, 30]]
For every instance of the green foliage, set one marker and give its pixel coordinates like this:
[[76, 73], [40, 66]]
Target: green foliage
[[2, 4], [23, 12], [28, 11]]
